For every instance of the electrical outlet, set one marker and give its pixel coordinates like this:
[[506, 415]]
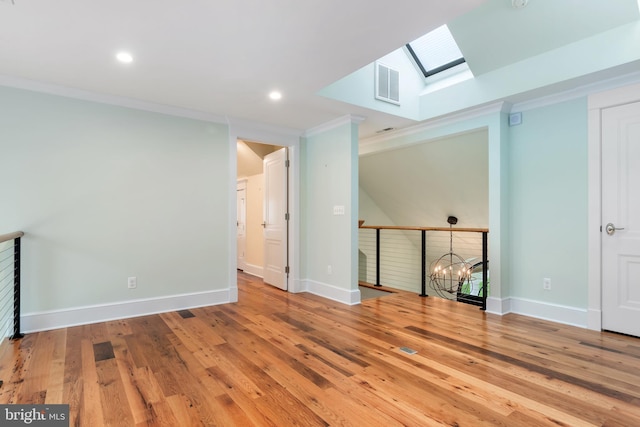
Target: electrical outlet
[[132, 282], [546, 284], [329, 269]]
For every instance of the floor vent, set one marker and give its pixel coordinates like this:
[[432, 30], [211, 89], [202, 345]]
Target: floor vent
[[408, 350]]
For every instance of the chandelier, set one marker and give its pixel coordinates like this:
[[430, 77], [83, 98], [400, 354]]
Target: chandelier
[[449, 272]]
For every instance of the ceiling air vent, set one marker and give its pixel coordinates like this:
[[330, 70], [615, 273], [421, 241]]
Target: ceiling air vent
[[387, 84]]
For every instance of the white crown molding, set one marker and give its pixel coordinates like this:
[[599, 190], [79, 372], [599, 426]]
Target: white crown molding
[[578, 92], [263, 132], [340, 121], [120, 101], [495, 107]]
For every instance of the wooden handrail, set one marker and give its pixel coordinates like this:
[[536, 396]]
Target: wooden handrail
[[10, 236], [399, 227]]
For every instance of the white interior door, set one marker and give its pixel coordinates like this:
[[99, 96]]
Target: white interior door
[[275, 224], [621, 219], [241, 222]]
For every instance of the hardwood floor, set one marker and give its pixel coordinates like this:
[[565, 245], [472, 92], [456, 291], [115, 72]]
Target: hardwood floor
[[279, 359]]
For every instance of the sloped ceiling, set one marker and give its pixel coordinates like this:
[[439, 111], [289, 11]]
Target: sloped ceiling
[[250, 156], [515, 55], [421, 185], [495, 34]]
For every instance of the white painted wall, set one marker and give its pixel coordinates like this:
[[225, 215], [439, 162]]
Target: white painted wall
[[104, 193]]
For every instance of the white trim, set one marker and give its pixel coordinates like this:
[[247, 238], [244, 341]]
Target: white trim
[[241, 185], [594, 209], [340, 121], [297, 286], [264, 133], [614, 97], [341, 295], [498, 306], [47, 320], [254, 270], [581, 91], [594, 319], [446, 120], [553, 312], [120, 101], [597, 102]]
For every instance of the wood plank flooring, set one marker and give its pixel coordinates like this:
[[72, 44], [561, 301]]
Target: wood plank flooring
[[280, 359]]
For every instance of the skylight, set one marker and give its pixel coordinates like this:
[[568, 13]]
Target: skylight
[[436, 51]]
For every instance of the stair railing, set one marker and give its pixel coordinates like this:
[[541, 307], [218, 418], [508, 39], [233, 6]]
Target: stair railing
[[399, 263], [10, 254]]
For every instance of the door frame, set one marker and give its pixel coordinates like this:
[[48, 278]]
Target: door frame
[[241, 184], [275, 136], [596, 103]]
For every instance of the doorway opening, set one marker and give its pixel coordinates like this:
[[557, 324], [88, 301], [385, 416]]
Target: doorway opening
[[425, 183], [262, 211]]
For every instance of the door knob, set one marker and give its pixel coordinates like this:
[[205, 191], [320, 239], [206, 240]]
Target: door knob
[[611, 229], [264, 224]]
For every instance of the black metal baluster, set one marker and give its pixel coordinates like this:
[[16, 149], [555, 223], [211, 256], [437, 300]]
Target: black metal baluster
[[424, 264], [378, 257], [16, 291], [485, 266]]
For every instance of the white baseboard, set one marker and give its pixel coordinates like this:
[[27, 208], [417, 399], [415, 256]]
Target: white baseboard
[[233, 294], [344, 296], [254, 270], [554, 312], [296, 285], [594, 319], [43, 321], [499, 306]]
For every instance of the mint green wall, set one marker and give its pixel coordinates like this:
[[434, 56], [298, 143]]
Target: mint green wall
[[105, 192], [330, 178], [548, 204]]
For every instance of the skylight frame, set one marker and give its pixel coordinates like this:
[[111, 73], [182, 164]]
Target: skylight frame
[[439, 43]]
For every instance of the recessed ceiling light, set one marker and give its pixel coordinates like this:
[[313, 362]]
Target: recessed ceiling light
[[275, 95], [124, 57]]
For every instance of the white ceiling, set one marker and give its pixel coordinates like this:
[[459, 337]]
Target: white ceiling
[[220, 57]]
